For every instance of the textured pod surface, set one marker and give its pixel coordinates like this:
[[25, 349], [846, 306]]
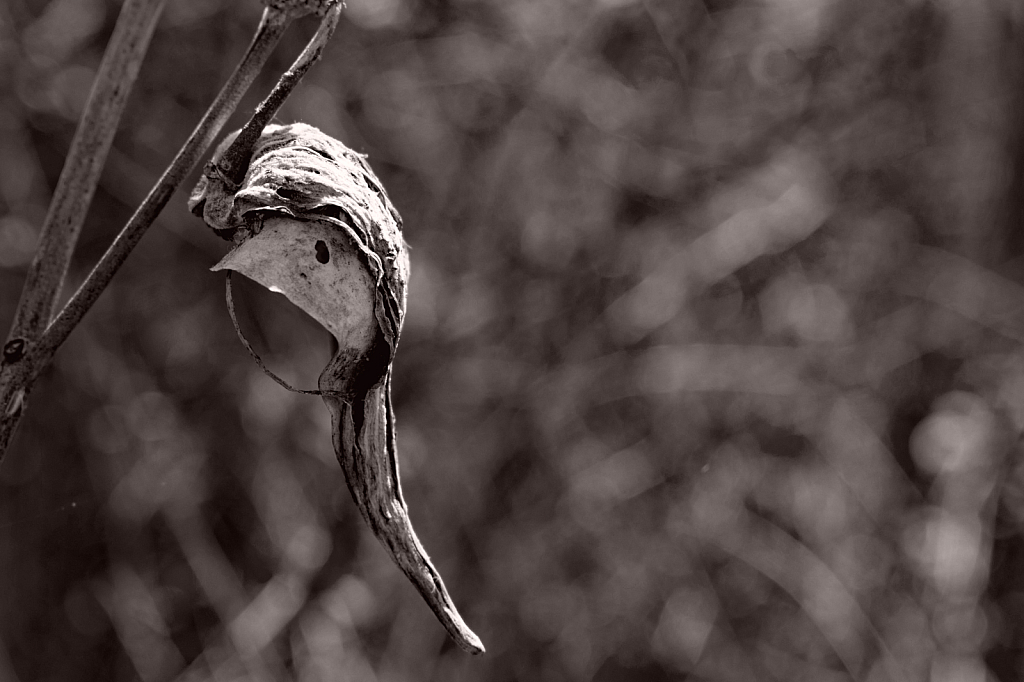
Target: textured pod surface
[[311, 221], [327, 280]]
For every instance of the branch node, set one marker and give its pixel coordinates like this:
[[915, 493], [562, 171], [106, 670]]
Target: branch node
[[14, 350]]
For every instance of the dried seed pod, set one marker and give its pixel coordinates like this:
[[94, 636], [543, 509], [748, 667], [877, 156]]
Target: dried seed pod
[[311, 221]]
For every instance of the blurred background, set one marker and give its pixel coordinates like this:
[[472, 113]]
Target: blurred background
[[712, 367]]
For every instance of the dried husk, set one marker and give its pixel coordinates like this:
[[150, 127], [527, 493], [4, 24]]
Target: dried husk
[[306, 195]]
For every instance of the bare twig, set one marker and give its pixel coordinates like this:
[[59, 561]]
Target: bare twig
[[271, 27], [235, 160], [44, 281], [78, 179], [23, 359]]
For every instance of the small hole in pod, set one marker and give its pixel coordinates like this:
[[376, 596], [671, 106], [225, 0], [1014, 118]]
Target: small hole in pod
[[322, 254]]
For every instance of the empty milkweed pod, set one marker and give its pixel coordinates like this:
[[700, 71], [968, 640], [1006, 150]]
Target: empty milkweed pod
[[311, 220]]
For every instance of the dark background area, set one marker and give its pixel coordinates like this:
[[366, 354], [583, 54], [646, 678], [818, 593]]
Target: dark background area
[[712, 367]]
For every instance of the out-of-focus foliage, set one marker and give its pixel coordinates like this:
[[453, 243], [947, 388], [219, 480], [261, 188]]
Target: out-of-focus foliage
[[712, 367]]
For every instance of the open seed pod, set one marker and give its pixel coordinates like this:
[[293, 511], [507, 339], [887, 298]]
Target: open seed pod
[[311, 220]]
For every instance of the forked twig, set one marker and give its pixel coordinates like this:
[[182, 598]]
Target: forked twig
[[24, 358], [272, 25], [81, 173], [75, 188], [233, 164]]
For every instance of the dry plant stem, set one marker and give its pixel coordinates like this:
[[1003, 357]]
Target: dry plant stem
[[76, 186], [20, 369], [80, 175], [235, 160]]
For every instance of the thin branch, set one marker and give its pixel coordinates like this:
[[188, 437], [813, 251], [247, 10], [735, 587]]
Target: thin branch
[[271, 27], [23, 361], [235, 160], [80, 176]]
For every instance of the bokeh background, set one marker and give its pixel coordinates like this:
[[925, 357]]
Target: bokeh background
[[712, 368]]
